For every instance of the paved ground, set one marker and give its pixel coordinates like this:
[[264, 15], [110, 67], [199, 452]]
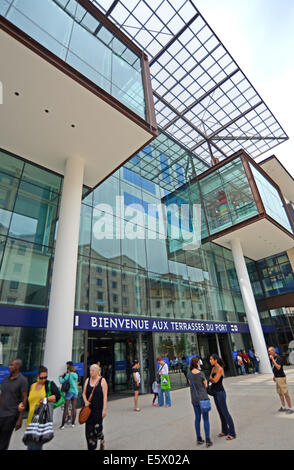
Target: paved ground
[[252, 401]]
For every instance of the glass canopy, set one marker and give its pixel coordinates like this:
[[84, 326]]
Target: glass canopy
[[202, 97]]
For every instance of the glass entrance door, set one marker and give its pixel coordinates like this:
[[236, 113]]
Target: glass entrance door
[[115, 353]]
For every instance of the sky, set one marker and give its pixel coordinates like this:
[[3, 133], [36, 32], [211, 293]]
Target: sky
[[259, 34]]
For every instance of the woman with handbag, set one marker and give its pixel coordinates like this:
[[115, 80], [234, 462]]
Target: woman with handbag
[[219, 394], [95, 399], [200, 400], [40, 390]]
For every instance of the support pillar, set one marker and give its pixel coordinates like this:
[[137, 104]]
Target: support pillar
[[59, 334], [141, 361], [250, 307]]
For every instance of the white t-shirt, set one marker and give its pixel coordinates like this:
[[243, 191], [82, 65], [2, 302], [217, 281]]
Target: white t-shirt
[[163, 370]]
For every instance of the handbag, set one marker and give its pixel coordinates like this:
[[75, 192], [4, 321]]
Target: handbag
[[61, 400], [86, 410], [210, 391], [205, 405], [40, 430], [65, 386]]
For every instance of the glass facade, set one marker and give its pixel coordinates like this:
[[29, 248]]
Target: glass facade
[[74, 35], [227, 197], [128, 262], [271, 199], [29, 201], [276, 274], [126, 265]]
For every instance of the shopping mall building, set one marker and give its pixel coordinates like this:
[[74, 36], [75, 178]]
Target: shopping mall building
[[139, 215]]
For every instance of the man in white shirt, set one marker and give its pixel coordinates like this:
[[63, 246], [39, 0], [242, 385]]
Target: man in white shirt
[[163, 371]]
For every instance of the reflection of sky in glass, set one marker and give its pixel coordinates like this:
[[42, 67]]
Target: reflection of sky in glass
[[271, 199]]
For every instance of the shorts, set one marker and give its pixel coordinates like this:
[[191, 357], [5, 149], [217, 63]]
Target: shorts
[[70, 396], [136, 387], [282, 387]]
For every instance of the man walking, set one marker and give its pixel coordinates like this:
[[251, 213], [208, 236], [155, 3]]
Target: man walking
[[280, 380], [164, 384], [13, 394]]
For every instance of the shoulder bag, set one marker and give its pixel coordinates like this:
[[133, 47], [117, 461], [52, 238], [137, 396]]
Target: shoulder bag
[[86, 410], [205, 405], [61, 400]]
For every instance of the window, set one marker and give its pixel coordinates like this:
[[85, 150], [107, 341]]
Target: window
[[125, 301], [100, 295], [114, 285], [115, 298], [99, 282], [14, 285], [17, 268]]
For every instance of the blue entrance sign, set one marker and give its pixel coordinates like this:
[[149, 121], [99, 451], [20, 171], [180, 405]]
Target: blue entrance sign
[[84, 321]]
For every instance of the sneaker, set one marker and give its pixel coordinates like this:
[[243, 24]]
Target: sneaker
[[73, 425], [282, 409], [200, 441], [61, 427], [289, 411], [208, 443]]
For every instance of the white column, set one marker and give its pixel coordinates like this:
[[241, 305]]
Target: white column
[[140, 348], [250, 307], [59, 334]]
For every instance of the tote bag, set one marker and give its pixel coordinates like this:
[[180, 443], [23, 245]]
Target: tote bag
[[164, 382], [40, 429]]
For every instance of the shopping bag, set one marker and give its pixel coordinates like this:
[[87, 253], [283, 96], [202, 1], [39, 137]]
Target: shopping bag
[[164, 382], [40, 429]]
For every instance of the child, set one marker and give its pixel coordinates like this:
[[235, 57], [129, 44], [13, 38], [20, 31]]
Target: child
[[155, 391]]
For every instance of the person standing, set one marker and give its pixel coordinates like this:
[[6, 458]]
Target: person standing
[[197, 379], [280, 380], [38, 391], [219, 394], [256, 361], [240, 363], [13, 400], [136, 383], [72, 394], [246, 361], [94, 424], [163, 371]]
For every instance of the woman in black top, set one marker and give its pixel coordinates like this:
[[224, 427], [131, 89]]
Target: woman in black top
[[136, 383], [94, 424], [219, 394], [197, 378]]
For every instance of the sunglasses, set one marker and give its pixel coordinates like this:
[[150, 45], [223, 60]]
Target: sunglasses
[[43, 378]]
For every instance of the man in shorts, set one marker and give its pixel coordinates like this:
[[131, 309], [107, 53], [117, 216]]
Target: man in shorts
[[280, 380]]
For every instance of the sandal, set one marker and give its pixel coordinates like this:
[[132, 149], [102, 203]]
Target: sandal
[[230, 438], [221, 434], [137, 409], [102, 445]]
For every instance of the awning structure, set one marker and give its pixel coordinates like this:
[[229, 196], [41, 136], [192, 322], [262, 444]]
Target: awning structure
[[203, 99]]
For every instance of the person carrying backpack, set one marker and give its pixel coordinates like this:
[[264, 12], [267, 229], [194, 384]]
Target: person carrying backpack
[[70, 388]]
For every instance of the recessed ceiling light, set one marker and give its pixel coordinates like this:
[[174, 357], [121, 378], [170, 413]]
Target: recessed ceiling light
[[73, 125], [16, 93], [46, 110]]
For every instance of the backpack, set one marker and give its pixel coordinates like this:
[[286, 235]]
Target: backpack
[[65, 386]]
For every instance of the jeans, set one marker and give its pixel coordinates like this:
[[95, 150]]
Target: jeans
[[161, 394], [198, 413], [225, 417]]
